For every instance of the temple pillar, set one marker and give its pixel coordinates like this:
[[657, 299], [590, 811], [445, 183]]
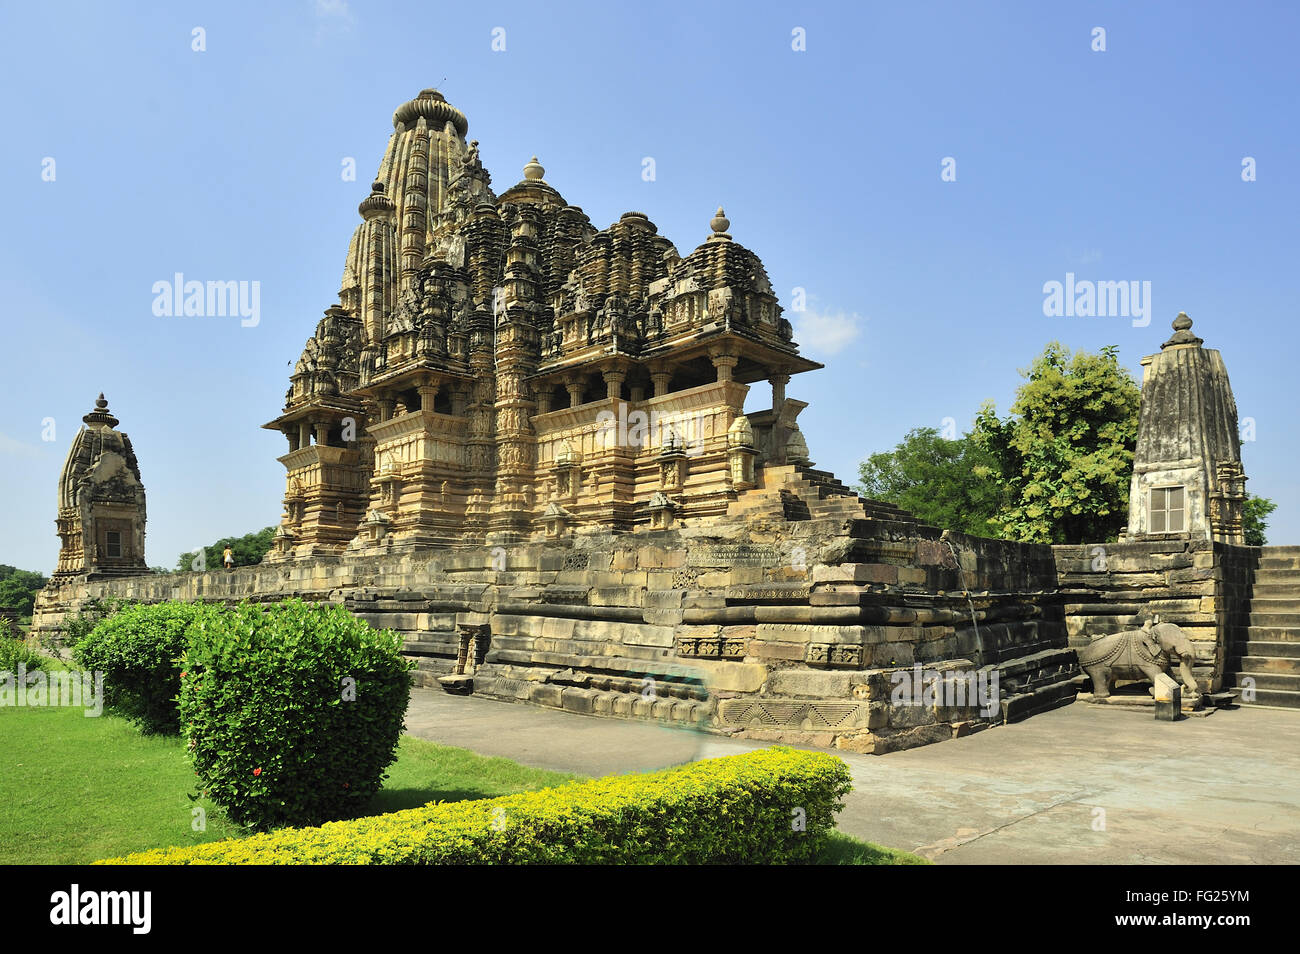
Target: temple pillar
[[779, 381], [574, 385], [614, 381], [659, 378], [723, 364]]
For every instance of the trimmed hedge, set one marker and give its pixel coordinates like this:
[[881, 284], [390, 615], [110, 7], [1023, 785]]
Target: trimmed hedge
[[773, 806], [292, 711], [138, 649]]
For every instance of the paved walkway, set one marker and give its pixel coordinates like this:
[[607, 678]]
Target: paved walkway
[[1078, 785]]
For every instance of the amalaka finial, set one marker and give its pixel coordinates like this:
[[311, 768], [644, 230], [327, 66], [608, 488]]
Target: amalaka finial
[[534, 171], [100, 414]]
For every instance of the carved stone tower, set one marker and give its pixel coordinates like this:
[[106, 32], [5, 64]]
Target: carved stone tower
[[1187, 475], [101, 502]]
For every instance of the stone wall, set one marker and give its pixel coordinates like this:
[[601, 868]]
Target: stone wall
[[1202, 586], [798, 631]]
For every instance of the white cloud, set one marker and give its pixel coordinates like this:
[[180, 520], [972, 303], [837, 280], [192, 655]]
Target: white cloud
[[333, 16], [16, 448], [825, 332], [333, 8]]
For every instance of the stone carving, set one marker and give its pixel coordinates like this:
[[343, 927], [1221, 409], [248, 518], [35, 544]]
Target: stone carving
[[1137, 654]]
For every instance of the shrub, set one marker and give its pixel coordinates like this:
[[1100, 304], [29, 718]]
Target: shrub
[[740, 809], [91, 613], [292, 712], [138, 649], [20, 652]]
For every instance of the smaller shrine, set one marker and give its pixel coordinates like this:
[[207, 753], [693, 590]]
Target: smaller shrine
[[1187, 476], [101, 512]]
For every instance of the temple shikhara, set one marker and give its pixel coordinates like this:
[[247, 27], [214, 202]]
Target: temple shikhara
[[522, 442], [498, 369]]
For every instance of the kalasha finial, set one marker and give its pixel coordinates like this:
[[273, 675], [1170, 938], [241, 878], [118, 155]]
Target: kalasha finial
[[534, 171], [1182, 332], [720, 223], [101, 403]]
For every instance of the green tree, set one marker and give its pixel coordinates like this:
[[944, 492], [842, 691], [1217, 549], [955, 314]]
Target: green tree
[[946, 483], [247, 550], [18, 589], [1064, 455], [1254, 519]]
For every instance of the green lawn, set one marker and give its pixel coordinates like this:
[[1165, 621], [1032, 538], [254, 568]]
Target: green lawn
[[75, 789]]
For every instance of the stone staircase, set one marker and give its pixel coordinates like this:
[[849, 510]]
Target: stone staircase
[[1267, 650], [797, 492]]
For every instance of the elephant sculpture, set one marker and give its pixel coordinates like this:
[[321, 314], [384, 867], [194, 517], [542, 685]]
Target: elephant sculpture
[[1137, 654]]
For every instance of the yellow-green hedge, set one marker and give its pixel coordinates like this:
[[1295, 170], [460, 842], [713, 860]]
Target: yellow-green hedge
[[771, 806]]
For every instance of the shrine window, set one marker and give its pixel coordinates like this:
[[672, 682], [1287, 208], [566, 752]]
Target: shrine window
[[1168, 513], [113, 544]]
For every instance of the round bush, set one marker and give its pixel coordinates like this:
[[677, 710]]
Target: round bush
[[138, 649], [292, 712]]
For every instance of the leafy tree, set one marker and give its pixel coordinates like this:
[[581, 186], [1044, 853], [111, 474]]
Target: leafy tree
[[247, 550], [18, 589], [1064, 456], [946, 483], [1254, 519]]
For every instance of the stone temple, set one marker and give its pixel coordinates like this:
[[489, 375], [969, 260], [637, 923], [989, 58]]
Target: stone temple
[[521, 442], [500, 370]]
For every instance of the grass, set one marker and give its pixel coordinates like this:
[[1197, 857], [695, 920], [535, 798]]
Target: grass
[[75, 789]]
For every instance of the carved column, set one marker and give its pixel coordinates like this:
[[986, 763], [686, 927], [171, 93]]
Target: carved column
[[779, 381], [660, 375], [724, 363]]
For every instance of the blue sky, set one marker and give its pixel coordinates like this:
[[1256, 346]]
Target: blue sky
[[925, 296]]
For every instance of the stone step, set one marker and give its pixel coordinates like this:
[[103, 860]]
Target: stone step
[[1281, 562], [1274, 605], [1261, 647], [1280, 551], [1279, 698], [1289, 682], [1291, 577], [1285, 620], [1277, 665], [1276, 591], [1267, 634]]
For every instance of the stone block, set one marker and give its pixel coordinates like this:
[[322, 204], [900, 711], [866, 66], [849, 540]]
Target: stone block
[[578, 700], [762, 649], [545, 694], [856, 573], [807, 683], [723, 676]]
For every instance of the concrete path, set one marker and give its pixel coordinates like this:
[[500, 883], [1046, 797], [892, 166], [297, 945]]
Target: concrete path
[[1079, 785]]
